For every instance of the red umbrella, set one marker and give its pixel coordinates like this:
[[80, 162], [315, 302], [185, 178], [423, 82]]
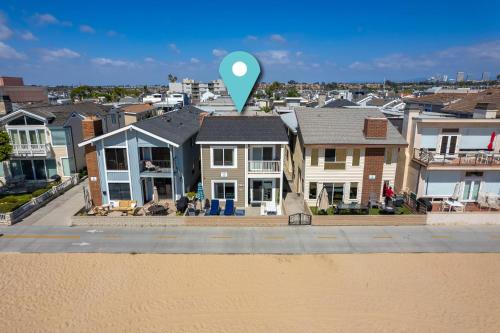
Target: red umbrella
[[490, 145]]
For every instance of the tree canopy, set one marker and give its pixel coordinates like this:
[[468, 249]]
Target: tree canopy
[[5, 146]]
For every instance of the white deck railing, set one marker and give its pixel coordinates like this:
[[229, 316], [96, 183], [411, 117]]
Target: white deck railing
[[264, 166], [30, 149]]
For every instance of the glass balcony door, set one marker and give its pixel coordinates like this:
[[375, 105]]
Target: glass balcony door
[[261, 190], [262, 153]]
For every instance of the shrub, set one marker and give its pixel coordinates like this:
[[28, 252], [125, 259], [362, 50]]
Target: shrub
[[39, 192], [9, 207], [9, 200]]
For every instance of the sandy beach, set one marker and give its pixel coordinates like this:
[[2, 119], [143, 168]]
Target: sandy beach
[[250, 293]]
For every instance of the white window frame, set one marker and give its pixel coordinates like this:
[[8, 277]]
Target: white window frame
[[262, 146], [235, 158], [62, 166], [235, 182]]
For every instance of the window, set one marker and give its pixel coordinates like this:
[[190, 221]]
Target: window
[[224, 190], [335, 159], [116, 159], [313, 190], [356, 153], [66, 166], [119, 191], [58, 137], [353, 191], [223, 157], [450, 130], [113, 118], [314, 157], [388, 155]]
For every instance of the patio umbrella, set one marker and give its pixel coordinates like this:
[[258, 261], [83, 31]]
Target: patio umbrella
[[323, 199], [490, 145], [155, 195], [200, 195]]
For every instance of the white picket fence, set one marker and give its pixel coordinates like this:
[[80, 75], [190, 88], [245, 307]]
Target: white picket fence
[[35, 203]]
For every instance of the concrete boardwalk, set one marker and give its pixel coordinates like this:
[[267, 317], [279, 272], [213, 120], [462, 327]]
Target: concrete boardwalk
[[58, 212], [250, 240]]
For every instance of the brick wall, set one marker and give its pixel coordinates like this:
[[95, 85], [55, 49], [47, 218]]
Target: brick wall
[[375, 128], [92, 127], [374, 165]]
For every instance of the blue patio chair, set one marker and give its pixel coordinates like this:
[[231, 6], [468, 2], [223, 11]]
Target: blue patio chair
[[229, 209], [214, 207]]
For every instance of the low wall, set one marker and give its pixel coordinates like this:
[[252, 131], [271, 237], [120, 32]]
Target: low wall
[[367, 220], [466, 218], [163, 221]]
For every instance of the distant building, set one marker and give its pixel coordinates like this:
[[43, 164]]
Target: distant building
[[19, 93], [460, 76], [485, 76]]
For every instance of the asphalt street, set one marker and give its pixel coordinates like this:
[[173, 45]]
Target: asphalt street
[[249, 240]]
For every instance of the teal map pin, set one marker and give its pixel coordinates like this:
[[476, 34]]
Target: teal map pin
[[239, 71]]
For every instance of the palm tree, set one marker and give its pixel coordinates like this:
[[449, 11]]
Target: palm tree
[[172, 78]]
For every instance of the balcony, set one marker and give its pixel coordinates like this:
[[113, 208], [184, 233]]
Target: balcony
[[155, 168], [263, 167], [25, 150], [462, 159]]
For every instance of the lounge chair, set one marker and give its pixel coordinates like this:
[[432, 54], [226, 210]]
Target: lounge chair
[[229, 208], [214, 207], [481, 200]]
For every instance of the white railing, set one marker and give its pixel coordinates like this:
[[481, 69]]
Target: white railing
[[264, 166], [30, 149], [35, 203]]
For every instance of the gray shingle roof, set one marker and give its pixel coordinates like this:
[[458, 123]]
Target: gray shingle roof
[[242, 129], [58, 114], [344, 126], [338, 103], [176, 126]]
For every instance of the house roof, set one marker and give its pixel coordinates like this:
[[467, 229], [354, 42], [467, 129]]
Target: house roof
[[57, 115], [467, 104], [344, 126], [242, 129], [338, 103], [437, 99], [137, 108]]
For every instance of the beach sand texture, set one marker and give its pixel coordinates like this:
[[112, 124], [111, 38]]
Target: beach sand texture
[[250, 293]]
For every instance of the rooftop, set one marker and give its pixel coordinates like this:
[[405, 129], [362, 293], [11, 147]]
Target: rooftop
[[136, 108], [242, 129], [344, 126]]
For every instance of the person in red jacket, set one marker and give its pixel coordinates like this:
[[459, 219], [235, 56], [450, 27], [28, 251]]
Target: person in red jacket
[[389, 193]]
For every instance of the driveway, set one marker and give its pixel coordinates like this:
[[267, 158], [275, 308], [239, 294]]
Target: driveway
[[58, 212]]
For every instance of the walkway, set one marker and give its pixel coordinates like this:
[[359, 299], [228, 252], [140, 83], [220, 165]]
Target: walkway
[[295, 240], [58, 212], [293, 202]]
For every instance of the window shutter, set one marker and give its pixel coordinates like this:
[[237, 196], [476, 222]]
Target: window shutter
[[355, 157], [314, 157]]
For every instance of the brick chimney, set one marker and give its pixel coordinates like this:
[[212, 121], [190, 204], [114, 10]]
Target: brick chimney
[[5, 105], [202, 116], [92, 127], [375, 128], [485, 111]]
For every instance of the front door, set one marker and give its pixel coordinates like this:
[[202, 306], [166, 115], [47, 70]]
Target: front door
[[471, 189], [164, 187], [261, 190], [448, 144]]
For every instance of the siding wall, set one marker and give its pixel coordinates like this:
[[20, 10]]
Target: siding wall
[[237, 174]]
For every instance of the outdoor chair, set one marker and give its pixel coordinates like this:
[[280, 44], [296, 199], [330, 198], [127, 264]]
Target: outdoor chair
[[481, 200], [214, 207], [229, 208], [125, 206], [372, 201], [492, 201]]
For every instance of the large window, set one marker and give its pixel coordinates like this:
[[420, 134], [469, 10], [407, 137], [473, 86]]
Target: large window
[[116, 159], [119, 191], [224, 190], [353, 191], [223, 157], [335, 159], [58, 137], [313, 190]]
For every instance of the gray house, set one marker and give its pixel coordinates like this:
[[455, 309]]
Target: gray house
[[128, 163]]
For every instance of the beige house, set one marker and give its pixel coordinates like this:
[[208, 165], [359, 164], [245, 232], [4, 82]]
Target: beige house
[[242, 159], [351, 153], [451, 156], [136, 112]]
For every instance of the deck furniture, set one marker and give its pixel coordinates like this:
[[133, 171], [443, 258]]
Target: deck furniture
[[492, 201], [157, 210], [125, 206], [214, 207], [455, 205], [229, 208], [353, 208]]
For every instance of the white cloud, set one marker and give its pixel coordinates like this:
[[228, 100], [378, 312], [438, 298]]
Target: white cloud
[[488, 50], [111, 33], [87, 29], [28, 35], [251, 38], [277, 38], [194, 60], [400, 61], [7, 52], [64, 53], [111, 62], [219, 52], [149, 59], [274, 57], [46, 19], [174, 48], [358, 65], [5, 31], [299, 54]]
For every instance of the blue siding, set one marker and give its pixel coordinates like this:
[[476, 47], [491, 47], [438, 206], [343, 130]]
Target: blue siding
[[491, 182], [144, 140], [134, 167], [117, 176], [116, 140]]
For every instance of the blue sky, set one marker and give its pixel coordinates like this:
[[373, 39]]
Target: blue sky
[[120, 42]]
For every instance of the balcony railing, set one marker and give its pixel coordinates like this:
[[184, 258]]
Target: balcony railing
[[458, 159], [264, 166], [155, 165], [30, 149]]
